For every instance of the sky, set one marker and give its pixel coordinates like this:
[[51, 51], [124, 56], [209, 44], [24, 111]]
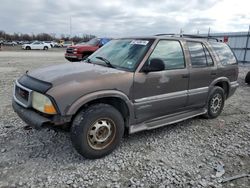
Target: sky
[[117, 18]]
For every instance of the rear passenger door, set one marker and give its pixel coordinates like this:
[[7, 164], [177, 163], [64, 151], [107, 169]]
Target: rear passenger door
[[202, 73]]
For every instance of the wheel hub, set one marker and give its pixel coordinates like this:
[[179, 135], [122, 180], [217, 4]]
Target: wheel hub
[[101, 133], [216, 103]]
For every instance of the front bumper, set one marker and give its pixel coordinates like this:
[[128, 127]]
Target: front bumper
[[30, 117], [38, 121], [73, 56]]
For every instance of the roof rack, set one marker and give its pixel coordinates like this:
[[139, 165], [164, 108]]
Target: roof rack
[[188, 36], [163, 34], [200, 37]]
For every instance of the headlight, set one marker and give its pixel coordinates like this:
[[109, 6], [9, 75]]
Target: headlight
[[42, 103]]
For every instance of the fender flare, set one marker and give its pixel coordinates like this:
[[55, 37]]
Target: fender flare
[[220, 79], [217, 80], [76, 105]]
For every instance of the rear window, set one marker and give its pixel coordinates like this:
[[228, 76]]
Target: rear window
[[224, 53]]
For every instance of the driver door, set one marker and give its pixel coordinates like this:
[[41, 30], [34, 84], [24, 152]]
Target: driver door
[[35, 45], [160, 93]]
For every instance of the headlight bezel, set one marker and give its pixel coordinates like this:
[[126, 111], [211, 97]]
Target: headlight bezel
[[43, 103]]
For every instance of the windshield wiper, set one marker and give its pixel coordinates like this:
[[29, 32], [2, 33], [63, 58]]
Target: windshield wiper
[[87, 60], [106, 61]]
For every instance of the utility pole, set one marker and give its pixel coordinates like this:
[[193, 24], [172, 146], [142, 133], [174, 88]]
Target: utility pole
[[208, 34], [70, 27], [181, 32], [245, 54]]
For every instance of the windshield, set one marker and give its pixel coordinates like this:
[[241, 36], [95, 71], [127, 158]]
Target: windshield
[[122, 53], [93, 42]]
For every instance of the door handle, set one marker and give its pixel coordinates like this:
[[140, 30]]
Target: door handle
[[185, 76]]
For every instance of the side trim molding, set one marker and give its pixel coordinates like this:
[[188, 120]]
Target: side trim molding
[[162, 96], [173, 95]]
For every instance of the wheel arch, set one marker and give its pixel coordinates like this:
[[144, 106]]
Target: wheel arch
[[222, 82], [115, 98]]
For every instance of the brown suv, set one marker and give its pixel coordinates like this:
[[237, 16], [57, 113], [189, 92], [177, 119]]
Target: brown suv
[[130, 84]]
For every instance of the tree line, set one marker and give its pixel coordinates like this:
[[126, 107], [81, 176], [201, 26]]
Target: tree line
[[42, 37]]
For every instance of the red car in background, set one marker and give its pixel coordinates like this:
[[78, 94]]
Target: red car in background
[[82, 50]]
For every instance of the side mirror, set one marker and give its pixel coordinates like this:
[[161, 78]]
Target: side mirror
[[154, 65]]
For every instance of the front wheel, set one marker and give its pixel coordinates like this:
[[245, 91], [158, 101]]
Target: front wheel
[[215, 103], [45, 48], [97, 130]]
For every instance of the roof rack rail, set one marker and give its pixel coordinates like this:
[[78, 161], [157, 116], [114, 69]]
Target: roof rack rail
[[188, 36], [200, 37], [168, 34]]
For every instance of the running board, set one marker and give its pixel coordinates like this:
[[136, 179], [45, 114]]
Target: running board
[[165, 120]]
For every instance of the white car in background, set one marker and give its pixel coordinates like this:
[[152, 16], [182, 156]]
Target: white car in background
[[36, 46]]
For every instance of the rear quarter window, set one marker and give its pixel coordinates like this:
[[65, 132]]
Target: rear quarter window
[[224, 53]]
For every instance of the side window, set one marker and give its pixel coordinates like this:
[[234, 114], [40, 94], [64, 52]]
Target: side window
[[36, 43], [224, 53], [198, 57], [170, 52], [208, 56]]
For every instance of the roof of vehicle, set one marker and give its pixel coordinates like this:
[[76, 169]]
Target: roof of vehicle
[[174, 36]]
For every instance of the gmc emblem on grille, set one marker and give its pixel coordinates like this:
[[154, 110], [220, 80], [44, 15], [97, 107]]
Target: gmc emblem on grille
[[21, 93]]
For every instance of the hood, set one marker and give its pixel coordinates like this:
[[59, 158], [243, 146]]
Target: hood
[[77, 72], [69, 82]]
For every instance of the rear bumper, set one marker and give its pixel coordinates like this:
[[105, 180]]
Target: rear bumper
[[36, 120], [233, 87]]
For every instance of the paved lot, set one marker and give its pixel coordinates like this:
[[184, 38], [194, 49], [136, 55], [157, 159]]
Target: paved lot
[[181, 155]]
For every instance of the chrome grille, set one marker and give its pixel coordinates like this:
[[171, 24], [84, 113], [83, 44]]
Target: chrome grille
[[70, 50], [22, 95]]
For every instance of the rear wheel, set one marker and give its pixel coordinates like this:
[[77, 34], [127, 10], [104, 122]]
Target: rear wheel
[[28, 48], [215, 103], [45, 48], [97, 131]]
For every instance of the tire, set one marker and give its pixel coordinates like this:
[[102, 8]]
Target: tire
[[97, 131], [247, 78], [28, 48], [45, 48], [215, 103]]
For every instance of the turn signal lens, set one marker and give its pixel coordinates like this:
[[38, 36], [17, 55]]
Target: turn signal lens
[[49, 109]]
